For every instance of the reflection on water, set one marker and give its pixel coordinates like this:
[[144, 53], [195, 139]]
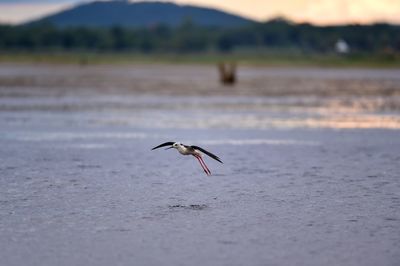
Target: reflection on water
[[259, 113], [177, 97], [208, 112]]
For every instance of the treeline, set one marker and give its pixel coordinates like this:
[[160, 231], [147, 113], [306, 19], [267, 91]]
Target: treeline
[[188, 37]]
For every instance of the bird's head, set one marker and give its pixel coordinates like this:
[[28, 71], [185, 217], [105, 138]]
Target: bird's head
[[175, 146]]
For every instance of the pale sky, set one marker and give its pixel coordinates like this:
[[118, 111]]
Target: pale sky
[[321, 12]]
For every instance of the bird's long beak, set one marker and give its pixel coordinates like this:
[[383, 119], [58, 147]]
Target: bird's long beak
[[169, 148]]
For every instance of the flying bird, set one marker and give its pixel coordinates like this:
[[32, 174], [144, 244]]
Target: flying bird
[[191, 150]]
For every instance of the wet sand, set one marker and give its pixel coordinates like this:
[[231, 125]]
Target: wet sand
[[310, 174]]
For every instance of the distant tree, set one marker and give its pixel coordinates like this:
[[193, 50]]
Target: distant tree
[[189, 37], [225, 43]]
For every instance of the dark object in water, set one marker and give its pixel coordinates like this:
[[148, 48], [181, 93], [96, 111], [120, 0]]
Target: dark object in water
[[227, 73]]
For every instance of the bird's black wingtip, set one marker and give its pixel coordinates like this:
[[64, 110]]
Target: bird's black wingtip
[[217, 159], [163, 145]]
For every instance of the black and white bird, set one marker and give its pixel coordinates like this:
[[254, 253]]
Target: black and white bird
[[191, 150]]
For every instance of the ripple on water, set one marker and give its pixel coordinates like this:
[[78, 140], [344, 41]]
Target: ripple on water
[[195, 207]]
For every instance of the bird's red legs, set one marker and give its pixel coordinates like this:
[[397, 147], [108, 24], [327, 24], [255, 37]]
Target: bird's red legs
[[202, 166], [206, 170], [201, 159]]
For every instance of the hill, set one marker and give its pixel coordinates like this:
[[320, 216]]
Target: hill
[[141, 14]]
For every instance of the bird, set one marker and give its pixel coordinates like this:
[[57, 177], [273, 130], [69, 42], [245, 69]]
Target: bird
[[196, 151]]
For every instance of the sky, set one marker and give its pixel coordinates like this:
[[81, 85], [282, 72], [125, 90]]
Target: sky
[[320, 12]]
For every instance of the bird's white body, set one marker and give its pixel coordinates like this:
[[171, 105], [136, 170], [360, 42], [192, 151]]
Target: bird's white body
[[182, 149], [185, 151]]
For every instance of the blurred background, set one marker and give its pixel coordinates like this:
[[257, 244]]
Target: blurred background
[[324, 32], [300, 99]]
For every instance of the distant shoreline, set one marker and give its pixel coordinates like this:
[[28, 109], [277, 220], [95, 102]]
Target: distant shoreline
[[253, 59]]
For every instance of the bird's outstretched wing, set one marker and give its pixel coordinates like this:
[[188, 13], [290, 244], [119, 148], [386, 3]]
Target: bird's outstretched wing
[[163, 145], [215, 157]]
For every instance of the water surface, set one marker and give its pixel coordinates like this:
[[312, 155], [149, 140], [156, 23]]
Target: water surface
[[310, 174]]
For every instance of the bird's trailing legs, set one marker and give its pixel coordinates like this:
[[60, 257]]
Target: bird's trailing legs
[[203, 164]]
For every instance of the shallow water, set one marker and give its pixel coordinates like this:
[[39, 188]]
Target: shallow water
[[306, 180]]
